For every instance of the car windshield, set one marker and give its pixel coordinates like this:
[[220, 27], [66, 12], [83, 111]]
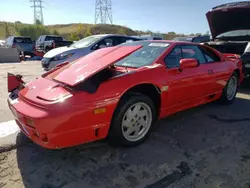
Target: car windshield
[[85, 42], [22, 40], [234, 33], [143, 56], [185, 39], [54, 38]]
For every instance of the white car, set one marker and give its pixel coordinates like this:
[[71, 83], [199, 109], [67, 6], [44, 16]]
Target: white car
[[81, 48], [2, 42]]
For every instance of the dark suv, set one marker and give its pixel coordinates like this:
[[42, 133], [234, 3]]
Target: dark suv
[[22, 43], [197, 39]]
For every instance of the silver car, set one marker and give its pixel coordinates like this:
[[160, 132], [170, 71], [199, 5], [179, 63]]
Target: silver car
[[81, 48], [22, 43]]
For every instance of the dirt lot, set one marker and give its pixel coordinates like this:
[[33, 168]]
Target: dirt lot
[[205, 147], [29, 69]]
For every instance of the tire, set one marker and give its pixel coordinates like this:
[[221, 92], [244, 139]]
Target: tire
[[227, 97], [122, 125]]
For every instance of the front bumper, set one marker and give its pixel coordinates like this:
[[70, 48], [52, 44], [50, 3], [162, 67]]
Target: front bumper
[[60, 130]]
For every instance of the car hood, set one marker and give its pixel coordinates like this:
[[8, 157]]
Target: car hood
[[225, 18], [57, 51], [89, 65]]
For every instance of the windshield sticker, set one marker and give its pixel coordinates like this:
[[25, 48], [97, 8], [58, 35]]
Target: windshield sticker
[[159, 44]]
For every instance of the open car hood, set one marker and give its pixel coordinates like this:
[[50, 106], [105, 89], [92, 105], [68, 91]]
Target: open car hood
[[87, 66], [229, 17]]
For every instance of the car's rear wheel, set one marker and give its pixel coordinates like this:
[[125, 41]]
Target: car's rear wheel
[[230, 90], [132, 120]]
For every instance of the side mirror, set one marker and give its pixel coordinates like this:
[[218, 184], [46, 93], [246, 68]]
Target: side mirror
[[188, 63]]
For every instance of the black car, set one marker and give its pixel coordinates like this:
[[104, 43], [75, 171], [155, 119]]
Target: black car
[[197, 39], [47, 42]]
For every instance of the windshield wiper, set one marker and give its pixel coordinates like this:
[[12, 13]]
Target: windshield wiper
[[126, 66]]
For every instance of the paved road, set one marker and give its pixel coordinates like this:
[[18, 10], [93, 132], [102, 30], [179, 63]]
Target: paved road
[[205, 147]]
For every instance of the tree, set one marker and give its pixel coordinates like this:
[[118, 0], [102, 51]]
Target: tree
[[149, 32], [7, 31], [55, 32], [33, 31], [122, 31], [197, 34], [88, 31], [18, 22], [38, 22], [74, 36], [171, 33]]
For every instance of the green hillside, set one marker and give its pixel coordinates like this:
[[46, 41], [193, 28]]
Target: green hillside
[[70, 31]]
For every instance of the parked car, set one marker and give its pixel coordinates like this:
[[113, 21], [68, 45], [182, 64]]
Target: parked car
[[230, 30], [2, 43], [119, 92], [81, 48], [22, 43], [198, 39], [47, 42], [151, 37]]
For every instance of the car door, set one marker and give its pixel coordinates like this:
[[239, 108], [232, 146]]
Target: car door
[[217, 69], [189, 84]]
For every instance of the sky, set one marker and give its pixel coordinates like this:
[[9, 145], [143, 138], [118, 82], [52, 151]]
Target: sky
[[180, 16]]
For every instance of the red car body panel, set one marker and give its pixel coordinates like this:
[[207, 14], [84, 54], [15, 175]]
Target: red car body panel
[[55, 116], [72, 74]]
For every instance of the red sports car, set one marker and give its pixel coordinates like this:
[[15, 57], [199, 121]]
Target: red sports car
[[119, 92]]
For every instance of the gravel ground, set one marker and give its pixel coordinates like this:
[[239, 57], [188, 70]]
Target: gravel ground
[[29, 69], [205, 147]]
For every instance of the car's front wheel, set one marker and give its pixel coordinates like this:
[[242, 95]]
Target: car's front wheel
[[132, 120], [230, 90]]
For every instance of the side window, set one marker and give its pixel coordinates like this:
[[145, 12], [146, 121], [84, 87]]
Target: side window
[[126, 39], [193, 52], [209, 55], [118, 40], [173, 58], [108, 42]]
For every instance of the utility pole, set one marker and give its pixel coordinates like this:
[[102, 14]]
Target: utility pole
[[37, 5], [103, 12]]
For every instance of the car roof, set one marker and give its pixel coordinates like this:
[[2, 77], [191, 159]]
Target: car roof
[[113, 35], [171, 41], [52, 35], [21, 36]]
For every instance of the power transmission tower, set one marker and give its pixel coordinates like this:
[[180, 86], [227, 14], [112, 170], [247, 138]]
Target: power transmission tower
[[38, 10], [103, 11]]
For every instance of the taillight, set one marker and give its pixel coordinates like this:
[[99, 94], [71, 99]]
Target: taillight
[[13, 45], [53, 45], [34, 47]]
